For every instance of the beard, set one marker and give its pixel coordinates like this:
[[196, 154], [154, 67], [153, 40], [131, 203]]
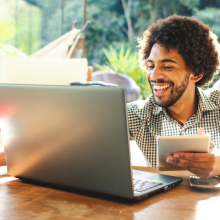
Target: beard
[[175, 94]]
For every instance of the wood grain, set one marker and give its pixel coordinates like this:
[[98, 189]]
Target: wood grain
[[20, 200]]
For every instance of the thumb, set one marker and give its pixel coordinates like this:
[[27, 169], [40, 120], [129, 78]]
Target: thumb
[[211, 146], [201, 131]]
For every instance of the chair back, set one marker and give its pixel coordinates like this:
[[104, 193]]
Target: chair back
[[131, 87]]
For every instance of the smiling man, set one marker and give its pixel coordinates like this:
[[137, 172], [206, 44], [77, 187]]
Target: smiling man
[[180, 55]]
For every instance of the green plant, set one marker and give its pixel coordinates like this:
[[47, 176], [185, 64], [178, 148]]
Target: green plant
[[7, 49], [7, 32], [126, 62]]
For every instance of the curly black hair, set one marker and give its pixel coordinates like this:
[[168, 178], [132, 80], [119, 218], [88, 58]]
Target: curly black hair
[[194, 41]]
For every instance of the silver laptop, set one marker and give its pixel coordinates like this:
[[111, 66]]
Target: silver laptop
[[73, 136]]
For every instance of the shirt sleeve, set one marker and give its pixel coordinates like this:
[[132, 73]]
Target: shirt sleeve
[[134, 120]]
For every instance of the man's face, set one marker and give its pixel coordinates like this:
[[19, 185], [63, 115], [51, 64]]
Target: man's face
[[167, 75]]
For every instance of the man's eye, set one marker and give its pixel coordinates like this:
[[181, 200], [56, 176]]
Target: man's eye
[[168, 67], [150, 67]]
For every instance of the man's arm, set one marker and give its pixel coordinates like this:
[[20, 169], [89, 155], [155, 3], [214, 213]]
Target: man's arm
[[2, 157], [204, 165]]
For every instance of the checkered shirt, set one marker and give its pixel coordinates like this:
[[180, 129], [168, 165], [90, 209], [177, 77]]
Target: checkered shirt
[[147, 120]]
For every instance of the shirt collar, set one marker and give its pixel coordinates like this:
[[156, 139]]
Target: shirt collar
[[204, 103], [157, 109]]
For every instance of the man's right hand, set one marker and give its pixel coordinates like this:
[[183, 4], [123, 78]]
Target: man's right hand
[[2, 157], [204, 165]]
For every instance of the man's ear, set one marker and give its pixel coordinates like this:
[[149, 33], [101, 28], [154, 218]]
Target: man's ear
[[196, 78]]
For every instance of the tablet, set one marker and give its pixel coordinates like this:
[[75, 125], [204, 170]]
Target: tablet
[[170, 145]]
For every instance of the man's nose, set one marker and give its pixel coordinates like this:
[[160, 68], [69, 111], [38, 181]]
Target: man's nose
[[156, 74]]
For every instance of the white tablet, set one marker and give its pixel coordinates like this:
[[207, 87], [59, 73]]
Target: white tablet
[[170, 145]]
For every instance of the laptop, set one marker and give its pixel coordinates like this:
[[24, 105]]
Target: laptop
[[73, 136]]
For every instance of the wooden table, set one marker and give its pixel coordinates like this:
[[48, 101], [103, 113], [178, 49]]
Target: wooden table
[[19, 200]]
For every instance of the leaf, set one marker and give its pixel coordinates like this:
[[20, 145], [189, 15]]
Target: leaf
[[10, 50], [125, 62], [99, 66], [7, 30]]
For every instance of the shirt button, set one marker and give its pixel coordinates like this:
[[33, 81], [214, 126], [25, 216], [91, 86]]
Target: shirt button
[[182, 132]]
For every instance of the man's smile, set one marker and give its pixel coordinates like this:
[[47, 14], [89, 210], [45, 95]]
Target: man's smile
[[160, 88]]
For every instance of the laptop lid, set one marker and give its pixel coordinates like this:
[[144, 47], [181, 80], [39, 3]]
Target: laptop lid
[[66, 135], [69, 136]]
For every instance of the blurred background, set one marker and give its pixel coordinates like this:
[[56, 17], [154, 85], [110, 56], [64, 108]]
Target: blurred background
[[110, 39]]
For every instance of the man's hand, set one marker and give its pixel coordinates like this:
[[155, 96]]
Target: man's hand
[[2, 157], [204, 165]]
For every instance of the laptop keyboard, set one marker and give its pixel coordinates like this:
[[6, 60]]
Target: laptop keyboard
[[141, 185]]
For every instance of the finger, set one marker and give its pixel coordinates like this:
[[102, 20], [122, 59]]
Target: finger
[[170, 159], [201, 131], [198, 168], [188, 164], [194, 156], [211, 146]]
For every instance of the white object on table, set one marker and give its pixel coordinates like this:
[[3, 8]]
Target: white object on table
[[137, 157]]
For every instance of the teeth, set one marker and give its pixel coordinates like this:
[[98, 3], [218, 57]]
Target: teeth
[[161, 87]]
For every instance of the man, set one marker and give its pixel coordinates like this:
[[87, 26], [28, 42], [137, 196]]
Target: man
[[179, 54]]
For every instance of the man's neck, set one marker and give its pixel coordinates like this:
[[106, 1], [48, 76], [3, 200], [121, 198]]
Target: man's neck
[[182, 110]]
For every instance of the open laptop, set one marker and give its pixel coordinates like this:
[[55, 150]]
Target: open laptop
[[73, 136]]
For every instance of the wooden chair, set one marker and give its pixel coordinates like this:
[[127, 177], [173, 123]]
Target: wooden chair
[[89, 74]]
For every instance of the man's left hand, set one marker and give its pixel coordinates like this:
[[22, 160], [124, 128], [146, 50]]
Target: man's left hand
[[204, 165]]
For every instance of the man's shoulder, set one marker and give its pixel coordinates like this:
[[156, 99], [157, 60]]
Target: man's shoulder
[[211, 97]]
